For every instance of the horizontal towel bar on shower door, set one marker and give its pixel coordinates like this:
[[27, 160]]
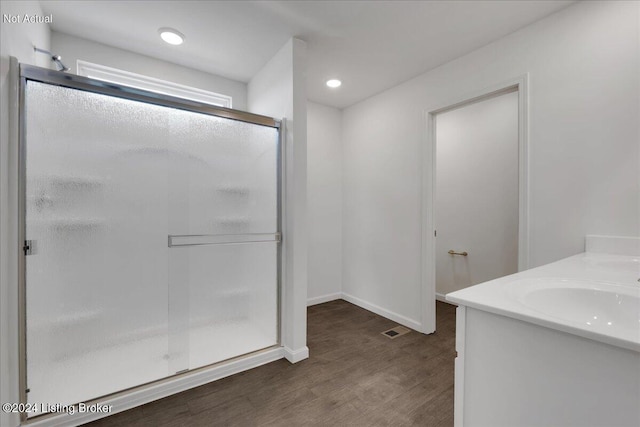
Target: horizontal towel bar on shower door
[[222, 239]]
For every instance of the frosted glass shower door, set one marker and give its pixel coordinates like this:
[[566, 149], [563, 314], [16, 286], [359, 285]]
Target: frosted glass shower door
[[97, 211], [223, 227], [153, 233]]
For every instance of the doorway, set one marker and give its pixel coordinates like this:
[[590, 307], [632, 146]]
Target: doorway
[[475, 191]]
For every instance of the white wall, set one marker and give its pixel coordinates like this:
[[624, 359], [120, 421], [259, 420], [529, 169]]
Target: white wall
[[16, 40], [73, 48], [279, 90], [583, 64], [477, 192], [324, 201]]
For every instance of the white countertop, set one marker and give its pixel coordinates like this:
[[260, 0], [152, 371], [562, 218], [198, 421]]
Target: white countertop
[[593, 275]]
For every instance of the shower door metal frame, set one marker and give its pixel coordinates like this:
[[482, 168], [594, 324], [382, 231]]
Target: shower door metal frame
[[57, 78]]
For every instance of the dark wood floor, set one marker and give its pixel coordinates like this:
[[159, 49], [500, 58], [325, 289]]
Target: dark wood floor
[[354, 377]]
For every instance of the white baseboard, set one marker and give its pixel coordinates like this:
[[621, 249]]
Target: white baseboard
[[324, 298], [409, 323], [127, 400], [295, 356]]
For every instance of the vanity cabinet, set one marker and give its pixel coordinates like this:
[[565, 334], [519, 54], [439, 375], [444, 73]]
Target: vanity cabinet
[[510, 372]]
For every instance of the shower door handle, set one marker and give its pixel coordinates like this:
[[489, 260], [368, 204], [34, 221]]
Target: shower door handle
[[29, 247]]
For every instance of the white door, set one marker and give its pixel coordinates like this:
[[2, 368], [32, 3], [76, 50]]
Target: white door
[[477, 192]]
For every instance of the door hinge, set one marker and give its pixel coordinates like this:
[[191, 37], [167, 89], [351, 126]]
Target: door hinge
[[27, 248], [435, 233]]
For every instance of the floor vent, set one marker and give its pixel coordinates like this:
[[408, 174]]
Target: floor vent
[[396, 332]]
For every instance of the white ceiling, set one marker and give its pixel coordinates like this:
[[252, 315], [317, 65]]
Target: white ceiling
[[369, 45]]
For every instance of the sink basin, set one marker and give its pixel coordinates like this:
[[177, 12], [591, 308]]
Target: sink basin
[[597, 305]]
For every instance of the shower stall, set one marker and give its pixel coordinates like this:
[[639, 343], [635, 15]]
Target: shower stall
[[151, 229]]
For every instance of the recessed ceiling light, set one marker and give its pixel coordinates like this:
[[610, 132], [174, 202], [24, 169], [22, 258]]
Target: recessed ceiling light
[[334, 83], [171, 36]]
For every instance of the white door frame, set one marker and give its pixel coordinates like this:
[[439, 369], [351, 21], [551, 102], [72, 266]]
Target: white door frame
[[428, 288]]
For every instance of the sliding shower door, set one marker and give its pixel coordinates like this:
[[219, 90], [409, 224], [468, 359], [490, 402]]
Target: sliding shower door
[[223, 238], [152, 237]]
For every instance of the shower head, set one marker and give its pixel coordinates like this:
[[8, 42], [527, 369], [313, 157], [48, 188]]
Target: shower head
[[57, 59]]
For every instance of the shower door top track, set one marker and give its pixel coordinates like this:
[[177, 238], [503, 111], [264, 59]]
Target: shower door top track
[[73, 81]]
